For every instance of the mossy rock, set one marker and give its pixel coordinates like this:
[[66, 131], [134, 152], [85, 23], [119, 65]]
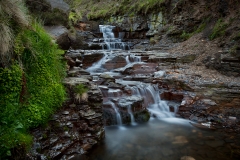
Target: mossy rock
[[142, 116]]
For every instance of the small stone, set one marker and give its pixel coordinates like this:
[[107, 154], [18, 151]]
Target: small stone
[[69, 123], [232, 118], [65, 112], [57, 147], [53, 140], [66, 134]]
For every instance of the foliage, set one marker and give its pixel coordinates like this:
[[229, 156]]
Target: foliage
[[80, 89], [218, 30], [105, 9], [31, 88]]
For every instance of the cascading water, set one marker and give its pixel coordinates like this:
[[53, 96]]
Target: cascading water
[[149, 93], [118, 116], [97, 67], [131, 115], [152, 100], [110, 41], [132, 58]]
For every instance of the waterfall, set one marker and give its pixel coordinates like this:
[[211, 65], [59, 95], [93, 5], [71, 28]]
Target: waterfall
[[97, 67], [132, 58], [118, 116], [152, 101], [109, 39], [114, 93], [131, 115]]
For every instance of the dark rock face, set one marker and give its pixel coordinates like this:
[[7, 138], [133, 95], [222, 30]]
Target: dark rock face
[[60, 34], [53, 12], [224, 63]]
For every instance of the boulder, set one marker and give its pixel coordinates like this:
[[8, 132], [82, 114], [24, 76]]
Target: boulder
[[116, 62], [60, 34]]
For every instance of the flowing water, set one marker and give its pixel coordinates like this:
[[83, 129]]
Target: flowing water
[[163, 137]]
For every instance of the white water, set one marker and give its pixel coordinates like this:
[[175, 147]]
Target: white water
[[148, 92], [131, 115], [114, 93], [96, 67], [118, 115], [110, 40], [132, 58], [155, 105]]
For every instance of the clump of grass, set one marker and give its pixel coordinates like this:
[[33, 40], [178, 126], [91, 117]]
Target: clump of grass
[[218, 30], [81, 92], [80, 89], [16, 11]]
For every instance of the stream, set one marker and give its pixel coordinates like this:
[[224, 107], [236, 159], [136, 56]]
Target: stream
[[126, 96]]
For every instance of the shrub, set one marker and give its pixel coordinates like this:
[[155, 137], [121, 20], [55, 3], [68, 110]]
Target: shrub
[[31, 88]]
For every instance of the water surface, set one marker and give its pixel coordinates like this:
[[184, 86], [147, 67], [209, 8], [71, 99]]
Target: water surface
[[161, 139]]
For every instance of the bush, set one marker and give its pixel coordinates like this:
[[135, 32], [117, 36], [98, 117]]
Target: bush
[[31, 89]]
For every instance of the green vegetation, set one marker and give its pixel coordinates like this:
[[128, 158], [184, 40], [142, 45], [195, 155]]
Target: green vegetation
[[80, 92], [80, 89], [233, 50], [31, 73], [218, 30], [199, 29], [105, 9]]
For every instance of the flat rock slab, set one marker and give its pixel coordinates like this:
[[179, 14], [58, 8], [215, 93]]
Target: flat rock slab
[[75, 80]]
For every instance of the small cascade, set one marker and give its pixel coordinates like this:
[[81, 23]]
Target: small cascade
[[118, 116], [110, 41], [97, 67], [114, 93], [131, 115], [132, 58], [156, 106]]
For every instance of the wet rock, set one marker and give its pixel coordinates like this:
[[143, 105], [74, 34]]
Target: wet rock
[[159, 74], [76, 72], [171, 96], [65, 112], [116, 62], [94, 46], [134, 101], [180, 140], [91, 58], [106, 76], [215, 144]]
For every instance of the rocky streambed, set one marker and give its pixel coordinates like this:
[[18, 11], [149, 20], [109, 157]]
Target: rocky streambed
[[131, 87]]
